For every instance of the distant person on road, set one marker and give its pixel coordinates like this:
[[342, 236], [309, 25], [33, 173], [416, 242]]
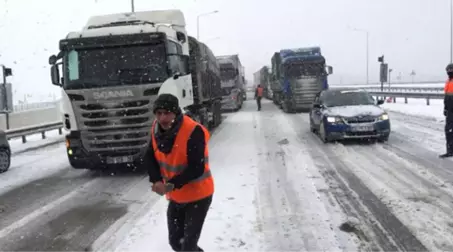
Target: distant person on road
[[258, 95], [177, 163], [448, 112]]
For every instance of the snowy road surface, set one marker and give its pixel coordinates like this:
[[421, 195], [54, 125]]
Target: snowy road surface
[[278, 187]]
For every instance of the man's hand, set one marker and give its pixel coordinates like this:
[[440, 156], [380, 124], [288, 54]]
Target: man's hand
[[159, 188]]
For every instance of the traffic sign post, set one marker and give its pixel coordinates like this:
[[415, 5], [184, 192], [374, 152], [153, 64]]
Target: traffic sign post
[[383, 73], [6, 93]]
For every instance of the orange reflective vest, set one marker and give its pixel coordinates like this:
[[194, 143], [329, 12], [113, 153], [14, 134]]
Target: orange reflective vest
[[175, 162], [259, 91], [448, 89]]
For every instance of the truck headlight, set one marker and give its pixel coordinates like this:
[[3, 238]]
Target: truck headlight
[[333, 119], [384, 117]]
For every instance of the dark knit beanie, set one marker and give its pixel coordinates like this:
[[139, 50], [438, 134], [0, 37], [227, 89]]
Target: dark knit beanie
[[168, 102]]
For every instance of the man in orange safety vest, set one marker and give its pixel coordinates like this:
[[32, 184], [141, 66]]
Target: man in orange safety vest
[[258, 96], [178, 166]]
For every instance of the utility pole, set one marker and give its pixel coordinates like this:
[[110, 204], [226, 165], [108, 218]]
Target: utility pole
[[133, 5]]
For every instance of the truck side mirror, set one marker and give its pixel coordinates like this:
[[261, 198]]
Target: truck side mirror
[[329, 70], [185, 64], [55, 75], [181, 37], [52, 60]]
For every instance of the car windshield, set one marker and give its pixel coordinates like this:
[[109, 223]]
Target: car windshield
[[346, 98], [113, 66]]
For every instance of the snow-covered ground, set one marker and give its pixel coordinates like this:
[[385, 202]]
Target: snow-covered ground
[[35, 159], [418, 107], [271, 195], [278, 188], [264, 181]]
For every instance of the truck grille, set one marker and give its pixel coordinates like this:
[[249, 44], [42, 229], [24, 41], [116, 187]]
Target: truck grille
[[118, 126], [304, 90]]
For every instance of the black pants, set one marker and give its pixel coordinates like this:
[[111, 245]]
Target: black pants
[[449, 133], [185, 222], [258, 102]]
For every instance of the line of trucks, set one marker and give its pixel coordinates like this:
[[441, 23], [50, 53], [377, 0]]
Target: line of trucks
[[112, 70], [294, 78]]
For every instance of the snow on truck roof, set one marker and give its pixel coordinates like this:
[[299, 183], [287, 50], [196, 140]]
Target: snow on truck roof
[[174, 17], [162, 18], [131, 29], [233, 59]]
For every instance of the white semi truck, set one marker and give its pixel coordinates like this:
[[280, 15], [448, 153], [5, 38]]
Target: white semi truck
[[113, 70], [233, 81]]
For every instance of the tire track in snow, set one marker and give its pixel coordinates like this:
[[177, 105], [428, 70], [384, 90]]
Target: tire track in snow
[[416, 154], [278, 221], [412, 194], [290, 221], [388, 232], [75, 223]]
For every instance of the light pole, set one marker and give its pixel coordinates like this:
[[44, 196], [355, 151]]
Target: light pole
[[198, 21], [367, 51], [133, 5]]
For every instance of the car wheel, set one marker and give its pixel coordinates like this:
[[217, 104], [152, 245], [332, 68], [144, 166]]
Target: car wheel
[[322, 132], [5, 160], [383, 139], [312, 127]]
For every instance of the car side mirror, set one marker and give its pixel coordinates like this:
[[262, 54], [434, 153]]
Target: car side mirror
[[317, 105], [380, 102]]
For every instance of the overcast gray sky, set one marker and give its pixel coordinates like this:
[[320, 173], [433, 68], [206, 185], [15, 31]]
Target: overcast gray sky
[[413, 34]]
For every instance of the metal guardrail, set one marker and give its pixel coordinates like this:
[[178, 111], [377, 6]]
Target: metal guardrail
[[417, 95], [408, 90], [35, 129], [37, 105]]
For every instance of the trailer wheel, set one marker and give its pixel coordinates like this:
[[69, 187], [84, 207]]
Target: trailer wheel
[[218, 113]]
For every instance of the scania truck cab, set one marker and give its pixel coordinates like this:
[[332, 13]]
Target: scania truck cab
[[110, 73], [299, 74]]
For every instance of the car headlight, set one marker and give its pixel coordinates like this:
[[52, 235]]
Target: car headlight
[[384, 117], [333, 119]]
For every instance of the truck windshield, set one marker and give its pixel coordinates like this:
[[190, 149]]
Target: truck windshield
[[113, 66], [346, 98], [295, 70], [227, 74], [227, 90]]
